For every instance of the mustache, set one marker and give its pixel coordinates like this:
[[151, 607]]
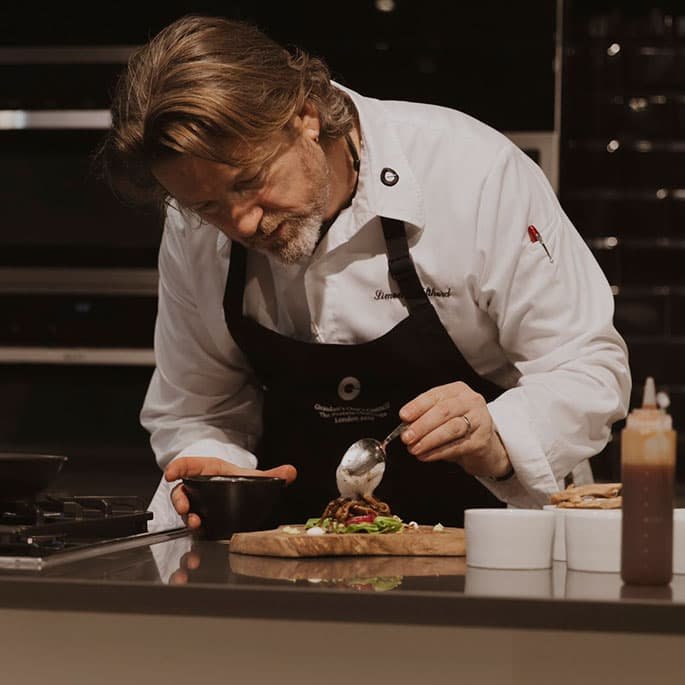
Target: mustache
[[270, 223]]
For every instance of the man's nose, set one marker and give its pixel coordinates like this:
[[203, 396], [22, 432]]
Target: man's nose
[[245, 218]]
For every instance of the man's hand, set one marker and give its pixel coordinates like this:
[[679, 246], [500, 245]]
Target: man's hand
[[189, 467], [452, 422]]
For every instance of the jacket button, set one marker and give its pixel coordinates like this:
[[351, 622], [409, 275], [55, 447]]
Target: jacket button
[[389, 177]]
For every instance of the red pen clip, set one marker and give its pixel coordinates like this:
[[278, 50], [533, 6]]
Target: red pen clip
[[535, 237]]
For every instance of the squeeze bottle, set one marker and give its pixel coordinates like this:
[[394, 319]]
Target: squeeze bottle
[[648, 449]]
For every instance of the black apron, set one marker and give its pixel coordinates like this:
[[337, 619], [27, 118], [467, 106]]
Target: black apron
[[320, 398]]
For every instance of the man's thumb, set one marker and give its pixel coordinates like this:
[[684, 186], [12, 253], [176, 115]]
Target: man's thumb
[[287, 471]]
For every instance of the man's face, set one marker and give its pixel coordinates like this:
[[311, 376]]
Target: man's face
[[277, 209]]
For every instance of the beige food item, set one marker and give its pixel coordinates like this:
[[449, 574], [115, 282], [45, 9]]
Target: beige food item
[[594, 503], [591, 496]]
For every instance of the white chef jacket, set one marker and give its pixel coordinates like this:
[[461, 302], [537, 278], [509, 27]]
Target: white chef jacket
[[540, 328]]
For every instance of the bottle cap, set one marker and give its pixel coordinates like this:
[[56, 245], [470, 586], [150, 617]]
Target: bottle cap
[[649, 417], [649, 394]]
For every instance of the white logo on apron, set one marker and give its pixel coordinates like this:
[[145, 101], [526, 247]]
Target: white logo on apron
[[349, 388]]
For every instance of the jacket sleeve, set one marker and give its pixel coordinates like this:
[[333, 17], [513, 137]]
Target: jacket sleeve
[[555, 322], [203, 399]]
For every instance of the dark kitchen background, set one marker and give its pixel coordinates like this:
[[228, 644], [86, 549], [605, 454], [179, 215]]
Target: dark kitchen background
[[592, 90]]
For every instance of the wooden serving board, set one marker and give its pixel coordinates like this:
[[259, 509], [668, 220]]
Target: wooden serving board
[[421, 541]]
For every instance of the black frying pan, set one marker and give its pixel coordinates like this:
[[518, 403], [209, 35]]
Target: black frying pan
[[24, 475]]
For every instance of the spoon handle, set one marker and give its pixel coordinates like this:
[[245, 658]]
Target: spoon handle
[[394, 434]]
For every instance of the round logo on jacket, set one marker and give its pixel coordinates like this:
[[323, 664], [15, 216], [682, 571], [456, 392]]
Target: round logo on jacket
[[349, 388], [389, 176]]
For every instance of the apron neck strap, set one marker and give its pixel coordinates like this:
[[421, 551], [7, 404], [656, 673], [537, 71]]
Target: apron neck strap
[[401, 265]]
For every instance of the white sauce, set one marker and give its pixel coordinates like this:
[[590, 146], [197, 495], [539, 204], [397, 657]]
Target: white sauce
[[350, 485]]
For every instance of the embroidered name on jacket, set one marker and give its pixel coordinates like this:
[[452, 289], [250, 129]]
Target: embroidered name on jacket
[[431, 292]]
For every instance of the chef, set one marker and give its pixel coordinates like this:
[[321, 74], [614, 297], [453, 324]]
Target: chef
[[332, 264]]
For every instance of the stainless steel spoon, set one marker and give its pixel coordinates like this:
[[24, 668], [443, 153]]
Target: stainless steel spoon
[[362, 466]]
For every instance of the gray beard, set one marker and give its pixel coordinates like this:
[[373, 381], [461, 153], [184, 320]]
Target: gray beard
[[305, 236], [300, 234], [298, 241]]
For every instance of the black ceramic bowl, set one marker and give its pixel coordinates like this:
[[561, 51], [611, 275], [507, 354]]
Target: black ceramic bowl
[[234, 504]]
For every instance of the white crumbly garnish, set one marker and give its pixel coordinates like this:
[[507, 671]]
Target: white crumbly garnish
[[316, 530], [438, 527], [290, 530], [412, 524]]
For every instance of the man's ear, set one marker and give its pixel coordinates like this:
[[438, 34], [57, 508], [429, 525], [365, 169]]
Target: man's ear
[[307, 120]]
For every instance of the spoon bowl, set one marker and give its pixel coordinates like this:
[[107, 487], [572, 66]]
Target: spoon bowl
[[363, 455], [362, 466]]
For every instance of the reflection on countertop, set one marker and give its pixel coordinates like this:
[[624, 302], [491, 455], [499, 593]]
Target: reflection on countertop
[[211, 562], [189, 576]]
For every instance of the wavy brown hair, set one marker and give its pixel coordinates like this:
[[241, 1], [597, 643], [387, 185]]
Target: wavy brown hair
[[212, 88]]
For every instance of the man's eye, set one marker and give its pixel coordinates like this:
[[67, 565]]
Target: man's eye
[[208, 208], [249, 183]]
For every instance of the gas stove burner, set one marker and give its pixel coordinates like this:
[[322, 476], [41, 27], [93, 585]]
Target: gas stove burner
[[52, 523], [50, 509]]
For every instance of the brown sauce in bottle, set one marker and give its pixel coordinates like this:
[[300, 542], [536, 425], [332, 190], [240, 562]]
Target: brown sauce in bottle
[[647, 542], [648, 446]]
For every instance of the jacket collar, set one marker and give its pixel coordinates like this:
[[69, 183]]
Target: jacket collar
[[387, 182], [387, 185]]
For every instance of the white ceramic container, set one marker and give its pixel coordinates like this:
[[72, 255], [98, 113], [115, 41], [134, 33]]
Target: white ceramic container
[[593, 540], [559, 549], [509, 538], [559, 579]]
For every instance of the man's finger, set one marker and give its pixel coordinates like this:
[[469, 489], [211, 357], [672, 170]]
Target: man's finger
[[446, 433], [421, 404], [180, 500], [286, 471], [459, 451], [194, 521], [443, 413], [189, 467]]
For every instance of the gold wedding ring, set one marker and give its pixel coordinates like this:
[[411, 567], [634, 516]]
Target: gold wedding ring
[[469, 427]]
